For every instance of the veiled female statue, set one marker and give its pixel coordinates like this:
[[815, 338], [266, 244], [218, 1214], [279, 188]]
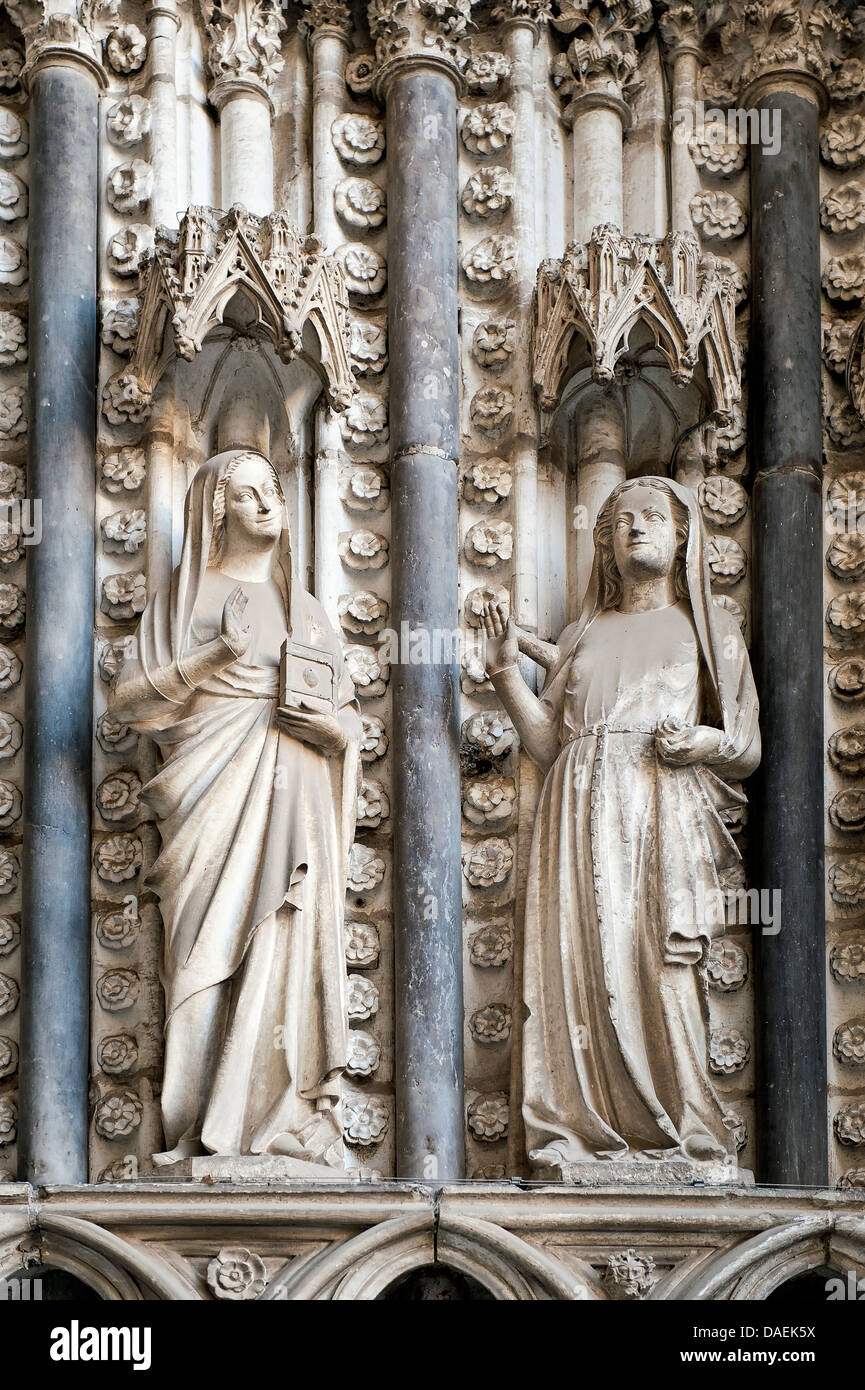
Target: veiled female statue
[[255, 802], [648, 715]]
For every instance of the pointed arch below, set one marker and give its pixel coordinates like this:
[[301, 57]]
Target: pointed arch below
[[755, 1268]]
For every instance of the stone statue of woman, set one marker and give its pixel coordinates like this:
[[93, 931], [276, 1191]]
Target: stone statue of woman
[[649, 714], [255, 804]]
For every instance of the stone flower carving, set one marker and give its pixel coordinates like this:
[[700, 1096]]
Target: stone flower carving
[[13, 420], [369, 671], [842, 143], [11, 735], [123, 595], [847, 811], [8, 1057], [13, 339], [363, 612], [488, 192], [13, 261], [362, 945], [726, 965], [365, 270], [11, 544], [726, 559], [364, 489], [488, 862], [373, 739], [118, 989], [358, 139], [484, 72], [729, 1051], [117, 1054], [489, 543], [8, 1121], [848, 1043], [847, 81], [12, 609], [125, 400], [10, 935], [124, 531], [130, 186], [490, 264], [9, 995], [364, 1122], [488, 1117], [492, 944], [847, 961], [360, 203], [373, 805], [11, 68], [112, 656], [847, 681], [492, 409], [490, 733], [719, 216], [120, 325], [365, 869], [493, 343], [849, 1123], [126, 48], [117, 796], [843, 208], [8, 871], [722, 500], [123, 1169], [13, 197], [364, 1054], [236, 1274], [130, 248], [846, 613], [847, 881], [853, 1180], [123, 470], [120, 926], [10, 804], [711, 150], [846, 750], [118, 1115], [368, 346], [488, 128], [14, 141], [837, 338], [364, 421], [489, 480], [362, 998], [118, 858], [491, 1024], [360, 73], [128, 121], [629, 1275], [846, 555], [363, 550], [844, 425], [845, 500], [844, 278], [490, 800]]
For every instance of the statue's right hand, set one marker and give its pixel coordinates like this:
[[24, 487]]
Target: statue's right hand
[[235, 631], [502, 646]]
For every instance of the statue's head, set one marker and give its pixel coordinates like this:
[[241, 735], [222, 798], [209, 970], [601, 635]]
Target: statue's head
[[248, 506], [641, 533]]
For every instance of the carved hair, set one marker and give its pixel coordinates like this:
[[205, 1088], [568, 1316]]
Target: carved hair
[[610, 586], [217, 543]]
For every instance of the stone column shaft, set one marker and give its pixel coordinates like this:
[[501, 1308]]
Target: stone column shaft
[[787, 820], [64, 196], [329, 50], [597, 155], [163, 22], [245, 145], [684, 174], [601, 466], [424, 431]]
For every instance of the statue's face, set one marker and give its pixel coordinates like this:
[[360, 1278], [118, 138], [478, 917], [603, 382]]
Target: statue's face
[[253, 506], [644, 533]]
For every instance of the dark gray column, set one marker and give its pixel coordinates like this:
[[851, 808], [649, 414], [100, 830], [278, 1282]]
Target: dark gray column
[[56, 856], [787, 818], [424, 431]]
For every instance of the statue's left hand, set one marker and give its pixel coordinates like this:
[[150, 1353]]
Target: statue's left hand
[[682, 744], [321, 731]]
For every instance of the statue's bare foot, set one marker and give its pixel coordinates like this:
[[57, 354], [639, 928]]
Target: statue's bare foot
[[703, 1148]]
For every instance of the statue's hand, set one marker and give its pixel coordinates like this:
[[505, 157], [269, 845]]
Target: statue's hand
[[235, 632], [321, 731], [502, 646], [682, 744]]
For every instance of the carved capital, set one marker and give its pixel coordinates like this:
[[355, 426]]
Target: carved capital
[[679, 27], [245, 43], [765, 40], [601, 60], [419, 32], [532, 13], [323, 16], [64, 32]]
